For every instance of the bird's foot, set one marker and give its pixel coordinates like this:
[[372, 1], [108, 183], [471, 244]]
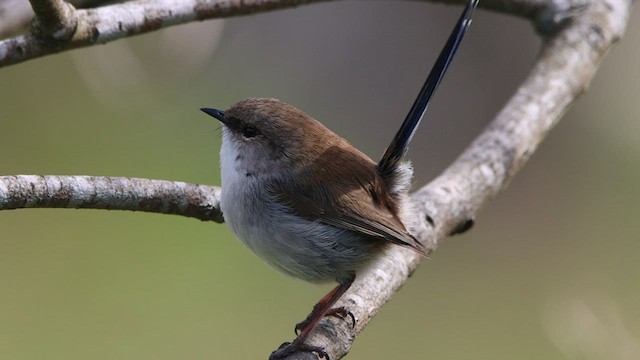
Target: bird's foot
[[287, 349], [339, 312]]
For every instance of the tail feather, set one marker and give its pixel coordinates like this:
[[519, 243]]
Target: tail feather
[[394, 153]]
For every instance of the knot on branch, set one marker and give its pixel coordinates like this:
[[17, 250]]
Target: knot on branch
[[557, 15], [55, 21]]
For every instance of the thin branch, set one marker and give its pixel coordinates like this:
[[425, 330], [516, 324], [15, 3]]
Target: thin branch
[[109, 23], [116, 193], [16, 15], [567, 63]]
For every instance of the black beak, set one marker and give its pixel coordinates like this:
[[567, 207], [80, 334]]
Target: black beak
[[215, 113]]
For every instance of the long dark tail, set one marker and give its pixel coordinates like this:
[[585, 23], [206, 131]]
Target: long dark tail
[[387, 165]]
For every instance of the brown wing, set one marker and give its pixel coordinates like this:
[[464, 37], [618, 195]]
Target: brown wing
[[345, 191]]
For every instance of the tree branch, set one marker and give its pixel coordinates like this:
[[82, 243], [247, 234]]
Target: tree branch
[[56, 20], [108, 23], [116, 193], [567, 63], [72, 29], [574, 45], [15, 15]]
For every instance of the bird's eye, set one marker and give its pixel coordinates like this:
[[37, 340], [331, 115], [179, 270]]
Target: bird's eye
[[249, 131]]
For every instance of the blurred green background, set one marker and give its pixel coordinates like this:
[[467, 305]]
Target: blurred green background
[[549, 271]]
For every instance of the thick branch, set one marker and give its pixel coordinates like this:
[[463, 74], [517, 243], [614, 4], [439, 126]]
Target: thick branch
[[89, 192], [567, 63]]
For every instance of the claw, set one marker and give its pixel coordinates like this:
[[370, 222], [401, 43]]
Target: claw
[[339, 312], [300, 326], [342, 313], [287, 349]]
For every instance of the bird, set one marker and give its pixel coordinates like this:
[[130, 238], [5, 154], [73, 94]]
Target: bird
[[308, 202]]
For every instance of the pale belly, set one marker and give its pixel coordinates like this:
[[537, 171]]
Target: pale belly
[[305, 249]]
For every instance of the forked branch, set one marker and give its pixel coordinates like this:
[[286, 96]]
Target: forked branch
[[575, 42], [565, 66]]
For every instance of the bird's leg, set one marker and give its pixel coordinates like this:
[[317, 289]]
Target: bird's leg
[[340, 312], [322, 308]]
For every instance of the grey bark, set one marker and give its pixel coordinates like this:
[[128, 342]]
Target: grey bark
[[577, 35], [111, 193]]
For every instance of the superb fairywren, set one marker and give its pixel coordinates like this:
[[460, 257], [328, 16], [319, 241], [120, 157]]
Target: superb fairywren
[[308, 202]]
